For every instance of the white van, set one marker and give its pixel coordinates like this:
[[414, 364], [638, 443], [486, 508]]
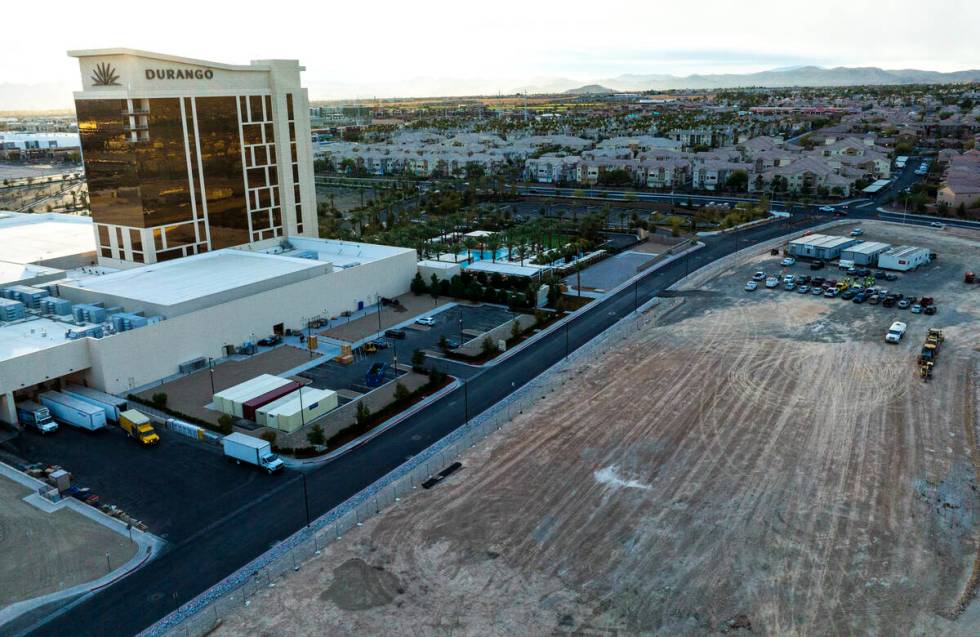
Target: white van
[[845, 264]]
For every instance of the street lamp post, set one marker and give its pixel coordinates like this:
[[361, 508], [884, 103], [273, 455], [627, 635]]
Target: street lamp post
[[211, 373]]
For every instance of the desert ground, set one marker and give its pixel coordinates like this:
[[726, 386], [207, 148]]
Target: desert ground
[[44, 552], [758, 462]]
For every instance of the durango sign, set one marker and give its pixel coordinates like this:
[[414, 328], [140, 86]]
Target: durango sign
[[179, 74]]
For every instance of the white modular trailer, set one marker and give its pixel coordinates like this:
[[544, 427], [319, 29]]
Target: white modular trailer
[[820, 246], [72, 411], [903, 258], [112, 405], [230, 401], [291, 412], [864, 253]]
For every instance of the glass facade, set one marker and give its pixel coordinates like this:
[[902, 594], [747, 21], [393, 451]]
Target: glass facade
[[170, 177], [221, 163]]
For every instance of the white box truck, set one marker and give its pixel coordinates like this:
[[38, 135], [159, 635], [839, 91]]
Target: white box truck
[[30, 414], [255, 451], [112, 405], [73, 411]]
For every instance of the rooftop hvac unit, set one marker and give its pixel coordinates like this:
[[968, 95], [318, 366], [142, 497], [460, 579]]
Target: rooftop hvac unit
[[11, 310], [88, 313], [94, 331], [29, 296], [59, 307], [193, 365]]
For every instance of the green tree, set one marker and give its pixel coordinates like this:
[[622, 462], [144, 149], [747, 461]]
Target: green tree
[[362, 413], [225, 424], [418, 284], [315, 436], [401, 392]]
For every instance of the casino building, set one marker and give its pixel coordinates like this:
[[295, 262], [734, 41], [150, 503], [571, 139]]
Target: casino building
[[187, 156]]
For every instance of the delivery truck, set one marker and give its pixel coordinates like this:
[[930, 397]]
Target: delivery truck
[[111, 405], [35, 416], [138, 426], [255, 451], [72, 411]]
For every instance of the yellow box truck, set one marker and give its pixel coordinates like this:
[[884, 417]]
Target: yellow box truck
[[138, 426]]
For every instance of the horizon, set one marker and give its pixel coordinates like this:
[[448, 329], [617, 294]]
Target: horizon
[[517, 48]]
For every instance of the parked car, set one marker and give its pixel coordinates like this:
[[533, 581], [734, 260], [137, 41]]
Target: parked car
[[857, 232], [827, 209], [817, 291], [817, 265], [400, 334], [803, 289], [936, 224], [874, 299], [759, 276], [895, 332], [891, 276], [751, 286], [772, 282], [789, 286], [860, 297], [930, 309], [380, 343], [903, 304], [848, 294], [889, 301], [269, 341], [803, 279], [817, 280], [425, 320], [789, 278], [926, 300], [788, 261], [830, 293], [916, 308]]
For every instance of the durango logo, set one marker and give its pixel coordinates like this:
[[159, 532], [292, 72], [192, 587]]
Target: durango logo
[[179, 74], [105, 75]]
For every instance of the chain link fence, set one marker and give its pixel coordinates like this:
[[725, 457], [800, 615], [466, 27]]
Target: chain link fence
[[202, 614]]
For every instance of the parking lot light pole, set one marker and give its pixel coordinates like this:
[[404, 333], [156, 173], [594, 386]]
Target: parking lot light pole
[[211, 373]]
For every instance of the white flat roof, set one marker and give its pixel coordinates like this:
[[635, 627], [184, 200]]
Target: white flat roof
[[13, 272], [194, 277], [503, 267], [31, 335], [877, 185], [29, 238], [438, 265], [342, 254], [868, 247]]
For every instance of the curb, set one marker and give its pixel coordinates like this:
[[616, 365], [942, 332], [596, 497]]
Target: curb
[[374, 433]]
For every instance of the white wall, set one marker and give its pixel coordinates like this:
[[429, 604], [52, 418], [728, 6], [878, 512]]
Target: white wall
[[130, 359]]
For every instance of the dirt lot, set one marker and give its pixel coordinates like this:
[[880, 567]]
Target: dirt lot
[[189, 394], [45, 552], [758, 462]]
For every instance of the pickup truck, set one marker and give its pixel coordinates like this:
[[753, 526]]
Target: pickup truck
[[138, 426], [895, 332]]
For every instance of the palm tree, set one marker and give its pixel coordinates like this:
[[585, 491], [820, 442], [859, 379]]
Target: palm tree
[[493, 243], [470, 243]]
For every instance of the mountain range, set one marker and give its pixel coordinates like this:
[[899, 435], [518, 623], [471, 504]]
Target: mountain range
[[59, 95], [792, 76]]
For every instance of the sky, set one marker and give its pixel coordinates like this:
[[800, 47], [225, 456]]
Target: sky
[[384, 48]]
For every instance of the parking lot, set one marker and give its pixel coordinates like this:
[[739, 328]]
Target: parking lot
[[476, 319], [171, 487], [942, 280], [608, 273]]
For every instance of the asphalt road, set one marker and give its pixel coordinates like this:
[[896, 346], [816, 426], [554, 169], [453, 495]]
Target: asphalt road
[[187, 568]]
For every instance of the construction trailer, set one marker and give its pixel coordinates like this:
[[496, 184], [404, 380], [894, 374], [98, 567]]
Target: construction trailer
[[302, 407], [232, 401], [864, 253], [249, 407], [819, 246], [903, 258]]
